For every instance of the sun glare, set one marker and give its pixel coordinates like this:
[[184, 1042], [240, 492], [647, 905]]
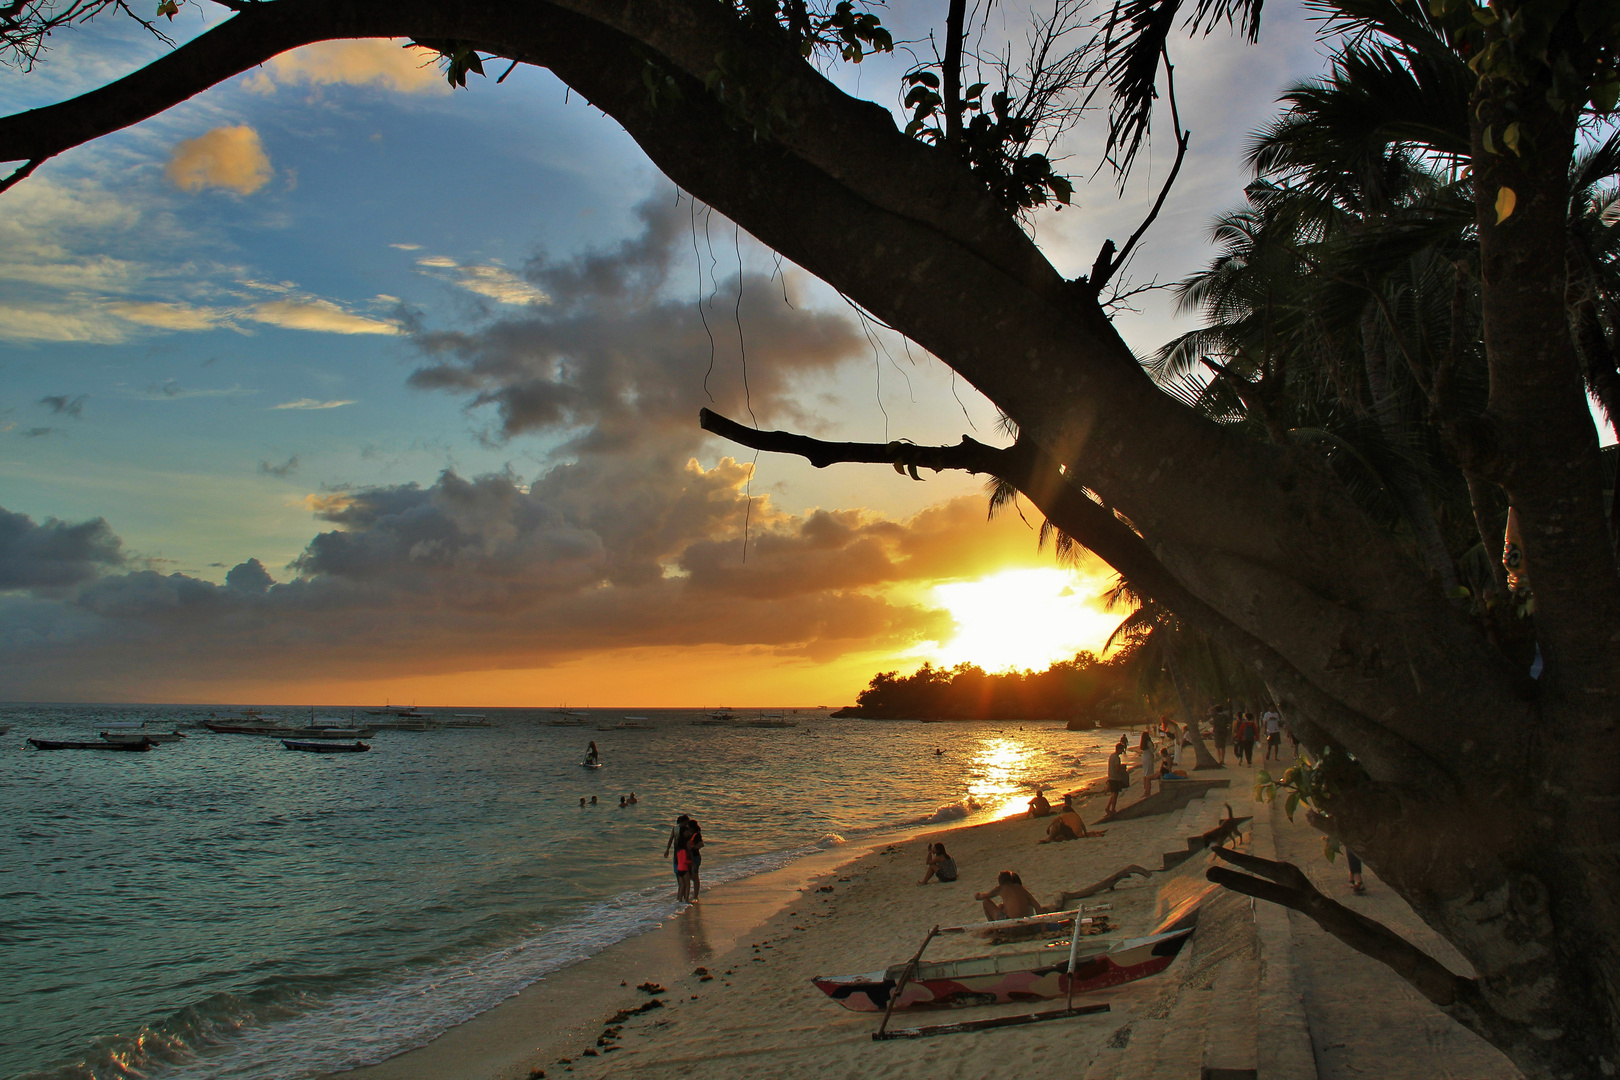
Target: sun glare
[[1024, 619]]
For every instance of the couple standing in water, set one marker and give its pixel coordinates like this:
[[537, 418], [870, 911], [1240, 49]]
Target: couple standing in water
[[686, 840]]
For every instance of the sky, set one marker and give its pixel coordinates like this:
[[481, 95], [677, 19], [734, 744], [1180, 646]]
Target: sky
[[335, 385]]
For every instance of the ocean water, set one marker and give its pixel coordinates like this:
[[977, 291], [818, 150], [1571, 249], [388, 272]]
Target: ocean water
[[222, 907]]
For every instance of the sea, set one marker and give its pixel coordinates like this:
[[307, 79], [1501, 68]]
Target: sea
[[221, 907]]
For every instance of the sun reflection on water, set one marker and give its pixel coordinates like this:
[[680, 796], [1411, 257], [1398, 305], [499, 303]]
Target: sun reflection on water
[[996, 774]]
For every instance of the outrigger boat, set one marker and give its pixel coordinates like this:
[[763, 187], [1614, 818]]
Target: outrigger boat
[[154, 737], [998, 979], [57, 744], [324, 747]]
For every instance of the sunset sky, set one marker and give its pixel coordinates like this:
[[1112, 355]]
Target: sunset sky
[[334, 385]]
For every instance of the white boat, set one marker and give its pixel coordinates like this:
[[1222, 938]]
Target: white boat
[[467, 720]]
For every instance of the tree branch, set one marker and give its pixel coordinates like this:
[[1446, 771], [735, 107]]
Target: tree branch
[[1107, 266], [1051, 487], [1288, 886]]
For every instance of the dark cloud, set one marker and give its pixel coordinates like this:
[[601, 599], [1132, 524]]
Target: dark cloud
[[473, 573], [617, 362], [249, 577], [54, 554], [282, 471], [37, 432], [64, 405]]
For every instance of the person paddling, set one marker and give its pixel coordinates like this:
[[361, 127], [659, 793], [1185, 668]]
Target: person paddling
[[590, 754]]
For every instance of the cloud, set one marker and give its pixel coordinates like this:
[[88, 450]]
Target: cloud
[[38, 432], [164, 315], [171, 390], [232, 158], [54, 554], [311, 403], [282, 471], [407, 247], [63, 405], [367, 62], [476, 573], [494, 282], [619, 364], [313, 313]]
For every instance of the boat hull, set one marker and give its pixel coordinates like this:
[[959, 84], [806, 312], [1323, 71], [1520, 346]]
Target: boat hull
[[324, 747], [57, 744], [996, 980]]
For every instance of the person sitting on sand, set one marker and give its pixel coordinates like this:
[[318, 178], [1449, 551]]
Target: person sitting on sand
[[1038, 806], [1068, 825], [1016, 901], [940, 865]]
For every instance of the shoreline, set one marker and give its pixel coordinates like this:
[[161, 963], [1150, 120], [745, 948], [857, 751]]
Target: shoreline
[[557, 1015]]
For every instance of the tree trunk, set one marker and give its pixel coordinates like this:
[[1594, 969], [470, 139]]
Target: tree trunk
[[1404, 485], [1184, 697]]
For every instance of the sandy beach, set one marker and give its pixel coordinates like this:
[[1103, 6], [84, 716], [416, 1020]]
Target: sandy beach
[[1259, 992]]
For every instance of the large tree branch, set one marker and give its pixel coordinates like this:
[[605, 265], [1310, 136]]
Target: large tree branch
[[1286, 885], [1261, 535], [1047, 484]]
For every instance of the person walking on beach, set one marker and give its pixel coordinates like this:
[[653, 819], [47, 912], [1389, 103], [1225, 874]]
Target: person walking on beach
[[1221, 721], [1119, 778], [1273, 725], [677, 843], [1149, 761], [1354, 864], [940, 865], [1246, 733], [1016, 901]]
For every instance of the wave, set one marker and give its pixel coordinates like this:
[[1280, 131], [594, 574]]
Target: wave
[[307, 1027]]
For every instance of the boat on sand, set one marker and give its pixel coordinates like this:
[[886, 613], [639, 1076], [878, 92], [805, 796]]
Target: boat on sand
[[998, 979]]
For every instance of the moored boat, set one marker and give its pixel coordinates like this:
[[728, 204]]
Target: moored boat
[[59, 744], [221, 727], [997, 979], [322, 746], [156, 738]]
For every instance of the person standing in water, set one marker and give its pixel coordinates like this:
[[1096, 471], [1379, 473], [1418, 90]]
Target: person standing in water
[[694, 859], [591, 754], [677, 843]]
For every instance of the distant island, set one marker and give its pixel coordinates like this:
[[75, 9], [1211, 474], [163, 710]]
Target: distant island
[[1085, 692]]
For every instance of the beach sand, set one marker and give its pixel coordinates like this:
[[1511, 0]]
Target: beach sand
[[1258, 991]]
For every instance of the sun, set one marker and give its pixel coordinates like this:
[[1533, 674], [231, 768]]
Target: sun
[[1023, 619]]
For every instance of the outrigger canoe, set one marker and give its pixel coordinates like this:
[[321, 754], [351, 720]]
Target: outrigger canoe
[[994, 980], [325, 747], [57, 744]]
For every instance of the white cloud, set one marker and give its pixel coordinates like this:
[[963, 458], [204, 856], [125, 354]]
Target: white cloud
[[168, 316], [232, 158], [495, 282], [311, 403], [388, 64], [313, 313], [407, 247]]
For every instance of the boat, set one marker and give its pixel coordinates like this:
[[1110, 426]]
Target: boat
[[156, 738], [629, 723], [997, 979], [323, 746], [57, 744], [467, 720], [240, 728], [769, 720]]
